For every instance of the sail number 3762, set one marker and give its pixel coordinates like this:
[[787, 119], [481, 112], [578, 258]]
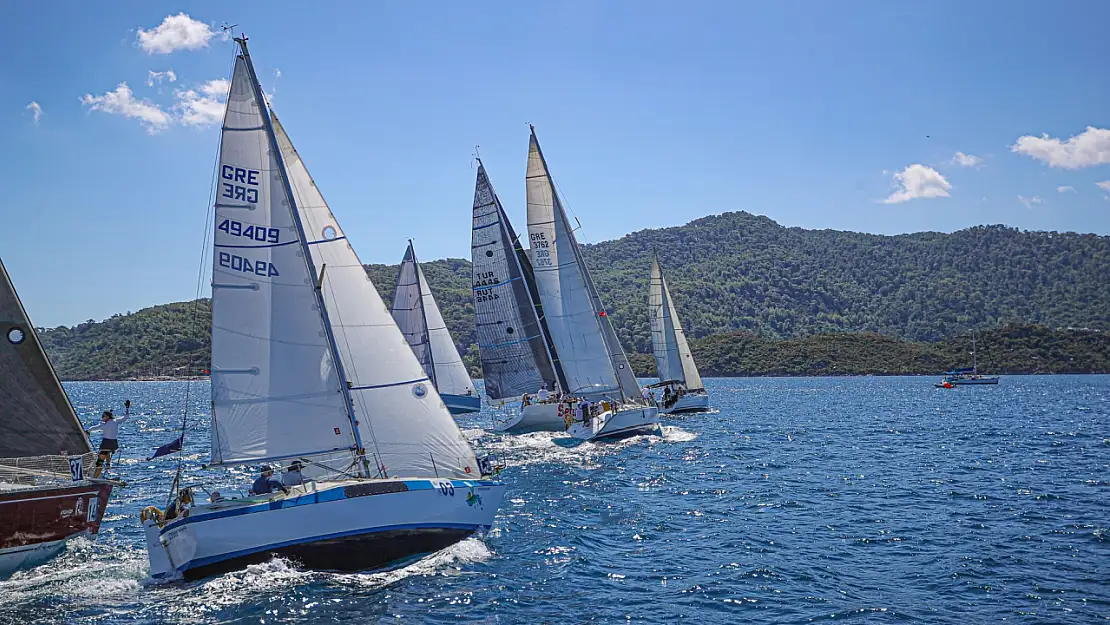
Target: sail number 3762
[[541, 256]]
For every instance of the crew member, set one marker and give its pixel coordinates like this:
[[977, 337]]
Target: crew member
[[109, 439], [266, 483], [293, 475], [542, 395]]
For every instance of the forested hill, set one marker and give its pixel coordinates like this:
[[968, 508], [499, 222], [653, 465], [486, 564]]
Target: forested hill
[[731, 273], [742, 272]]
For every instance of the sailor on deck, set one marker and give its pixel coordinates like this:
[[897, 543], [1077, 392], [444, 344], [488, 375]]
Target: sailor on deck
[[543, 395], [109, 441], [266, 483]]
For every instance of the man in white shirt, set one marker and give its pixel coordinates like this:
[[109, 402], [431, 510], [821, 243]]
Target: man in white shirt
[[109, 440], [542, 395], [293, 475]]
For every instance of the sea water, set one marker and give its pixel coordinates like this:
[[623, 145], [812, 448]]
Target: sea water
[[806, 499]]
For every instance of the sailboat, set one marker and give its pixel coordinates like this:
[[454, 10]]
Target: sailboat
[[308, 365], [678, 375], [518, 358], [46, 497], [967, 376], [592, 359], [418, 316]]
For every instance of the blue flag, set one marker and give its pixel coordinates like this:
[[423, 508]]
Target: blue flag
[[168, 448]]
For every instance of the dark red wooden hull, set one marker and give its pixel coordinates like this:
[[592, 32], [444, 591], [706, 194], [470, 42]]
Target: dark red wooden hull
[[34, 523]]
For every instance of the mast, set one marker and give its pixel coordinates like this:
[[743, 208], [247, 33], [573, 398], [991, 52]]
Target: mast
[[974, 356], [264, 112]]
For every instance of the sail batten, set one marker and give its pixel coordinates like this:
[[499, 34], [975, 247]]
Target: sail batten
[[590, 356], [512, 343]]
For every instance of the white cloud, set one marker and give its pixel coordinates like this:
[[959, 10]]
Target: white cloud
[[176, 32], [158, 77], [1086, 149], [918, 181], [122, 101], [1065, 189], [203, 106], [1030, 202], [36, 110], [217, 88], [277, 73], [1104, 185], [966, 160]]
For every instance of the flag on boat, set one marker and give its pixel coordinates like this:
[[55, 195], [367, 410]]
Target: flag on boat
[[168, 448]]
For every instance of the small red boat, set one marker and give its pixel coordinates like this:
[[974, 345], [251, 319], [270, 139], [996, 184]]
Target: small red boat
[[45, 455]]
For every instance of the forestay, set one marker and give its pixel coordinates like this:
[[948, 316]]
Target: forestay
[[511, 341], [276, 391], [673, 359], [36, 418], [402, 421], [574, 315]]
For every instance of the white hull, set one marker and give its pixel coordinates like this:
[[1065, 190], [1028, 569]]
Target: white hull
[[25, 557], [690, 402], [353, 525], [534, 418], [625, 421]]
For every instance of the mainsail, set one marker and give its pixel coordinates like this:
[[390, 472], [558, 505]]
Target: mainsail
[[418, 316], [590, 355], [36, 418], [401, 418], [276, 389], [673, 359], [513, 343]]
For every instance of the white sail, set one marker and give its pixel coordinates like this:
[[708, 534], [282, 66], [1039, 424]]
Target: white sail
[[408, 312], [451, 377], [276, 392], [673, 359], [512, 341], [417, 314], [403, 423], [572, 309]]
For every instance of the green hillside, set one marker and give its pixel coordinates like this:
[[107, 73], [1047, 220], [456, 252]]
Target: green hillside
[[791, 298]]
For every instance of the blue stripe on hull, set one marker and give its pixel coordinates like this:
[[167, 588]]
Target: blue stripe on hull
[[336, 493]]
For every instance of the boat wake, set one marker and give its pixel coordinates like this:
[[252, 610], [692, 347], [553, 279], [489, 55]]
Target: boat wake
[[449, 561], [84, 572]]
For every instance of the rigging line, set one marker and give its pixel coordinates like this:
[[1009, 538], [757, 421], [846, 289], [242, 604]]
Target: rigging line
[[209, 221]]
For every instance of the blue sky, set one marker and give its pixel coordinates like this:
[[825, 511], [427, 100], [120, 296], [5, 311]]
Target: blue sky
[[651, 114]]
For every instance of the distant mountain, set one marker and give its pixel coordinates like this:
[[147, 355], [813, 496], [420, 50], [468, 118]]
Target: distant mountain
[[741, 273]]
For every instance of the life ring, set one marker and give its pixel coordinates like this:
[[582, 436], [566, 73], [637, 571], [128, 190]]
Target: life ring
[[152, 513]]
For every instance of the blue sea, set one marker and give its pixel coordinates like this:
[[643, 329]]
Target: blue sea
[[870, 499]]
